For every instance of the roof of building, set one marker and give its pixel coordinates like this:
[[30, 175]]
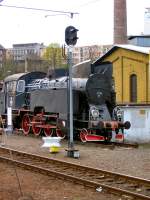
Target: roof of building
[[27, 45], [138, 36], [144, 50]]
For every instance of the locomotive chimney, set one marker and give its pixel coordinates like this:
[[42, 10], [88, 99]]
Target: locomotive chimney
[[120, 22]]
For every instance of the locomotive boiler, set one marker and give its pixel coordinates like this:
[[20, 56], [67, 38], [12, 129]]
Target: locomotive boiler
[[44, 105]]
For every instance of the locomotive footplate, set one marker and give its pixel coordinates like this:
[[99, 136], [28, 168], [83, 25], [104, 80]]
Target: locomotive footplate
[[94, 138], [103, 130], [87, 135], [91, 135]]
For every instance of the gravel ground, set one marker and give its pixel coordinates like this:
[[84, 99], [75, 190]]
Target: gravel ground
[[130, 161]]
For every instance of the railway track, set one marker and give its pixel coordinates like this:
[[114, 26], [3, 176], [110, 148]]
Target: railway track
[[128, 186]]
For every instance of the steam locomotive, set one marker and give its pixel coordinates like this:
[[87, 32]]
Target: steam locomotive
[[40, 104]]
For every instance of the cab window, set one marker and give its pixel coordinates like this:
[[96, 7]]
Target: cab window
[[21, 86], [11, 86]]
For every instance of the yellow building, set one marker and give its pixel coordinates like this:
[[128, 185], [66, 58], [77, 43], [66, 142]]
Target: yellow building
[[131, 71]]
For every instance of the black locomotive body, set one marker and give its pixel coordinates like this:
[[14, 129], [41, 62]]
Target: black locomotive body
[[41, 104], [15, 89]]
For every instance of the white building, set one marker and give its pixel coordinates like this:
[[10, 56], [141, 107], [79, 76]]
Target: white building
[[92, 52], [21, 51], [147, 21], [139, 117]]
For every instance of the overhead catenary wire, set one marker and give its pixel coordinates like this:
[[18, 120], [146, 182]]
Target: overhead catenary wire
[[58, 12], [53, 15], [49, 10], [40, 9]]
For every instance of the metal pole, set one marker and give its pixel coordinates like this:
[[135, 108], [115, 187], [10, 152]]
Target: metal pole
[[9, 116], [71, 144], [71, 38]]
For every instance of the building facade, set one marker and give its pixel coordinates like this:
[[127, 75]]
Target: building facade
[[2, 55], [21, 51], [139, 40], [79, 54], [131, 73], [92, 52], [147, 21]]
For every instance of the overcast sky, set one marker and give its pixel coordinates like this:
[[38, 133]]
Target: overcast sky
[[94, 21]]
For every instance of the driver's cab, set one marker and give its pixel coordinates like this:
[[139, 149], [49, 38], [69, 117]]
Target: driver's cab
[[14, 92], [8, 92]]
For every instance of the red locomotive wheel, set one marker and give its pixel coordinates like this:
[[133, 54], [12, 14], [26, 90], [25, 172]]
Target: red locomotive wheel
[[25, 124], [59, 133], [36, 122], [83, 133], [48, 132]]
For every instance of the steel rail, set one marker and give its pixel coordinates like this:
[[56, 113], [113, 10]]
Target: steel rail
[[83, 181], [85, 168]]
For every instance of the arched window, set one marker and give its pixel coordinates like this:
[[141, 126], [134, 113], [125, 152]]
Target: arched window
[[133, 88]]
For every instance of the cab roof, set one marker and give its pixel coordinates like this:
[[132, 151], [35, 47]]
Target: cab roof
[[13, 77]]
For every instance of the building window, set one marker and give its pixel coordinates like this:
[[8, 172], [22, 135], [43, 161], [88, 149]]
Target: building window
[[133, 88]]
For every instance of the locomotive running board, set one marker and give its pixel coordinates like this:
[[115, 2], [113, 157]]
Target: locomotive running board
[[90, 137]]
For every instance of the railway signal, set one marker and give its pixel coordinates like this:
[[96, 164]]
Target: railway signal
[[71, 40], [71, 35]]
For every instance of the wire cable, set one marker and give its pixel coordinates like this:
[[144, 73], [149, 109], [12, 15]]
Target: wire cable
[[40, 9]]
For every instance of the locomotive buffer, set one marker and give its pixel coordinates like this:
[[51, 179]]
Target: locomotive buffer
[[70, 39]]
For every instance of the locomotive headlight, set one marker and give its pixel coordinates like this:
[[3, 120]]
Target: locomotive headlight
[[95, 113]]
